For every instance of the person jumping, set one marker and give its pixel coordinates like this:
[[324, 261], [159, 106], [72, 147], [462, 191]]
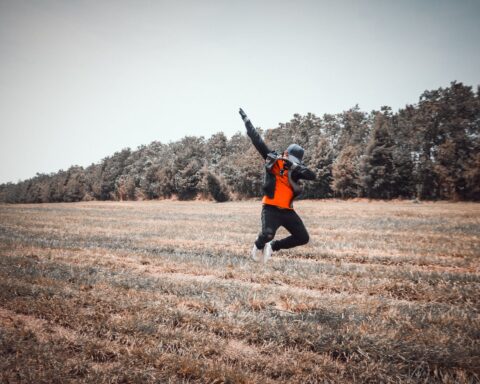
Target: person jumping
[[282, 173]]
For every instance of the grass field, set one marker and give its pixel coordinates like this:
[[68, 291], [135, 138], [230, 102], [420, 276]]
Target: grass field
[[163, 291]]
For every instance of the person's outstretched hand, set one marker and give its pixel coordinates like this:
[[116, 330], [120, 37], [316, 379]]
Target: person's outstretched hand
[[243, 114]]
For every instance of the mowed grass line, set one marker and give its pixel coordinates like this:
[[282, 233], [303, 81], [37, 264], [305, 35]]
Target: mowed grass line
[[288, 336], [176, 283]]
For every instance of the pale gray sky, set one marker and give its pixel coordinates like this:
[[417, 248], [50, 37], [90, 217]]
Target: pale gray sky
[[80, 80]]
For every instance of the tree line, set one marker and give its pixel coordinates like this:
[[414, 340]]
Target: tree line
[[427, 150]]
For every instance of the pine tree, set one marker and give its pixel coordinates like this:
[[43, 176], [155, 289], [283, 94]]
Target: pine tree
[[377, 166], [345, 172], [320, 161]]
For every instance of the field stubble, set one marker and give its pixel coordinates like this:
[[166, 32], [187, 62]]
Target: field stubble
[[163, 291]]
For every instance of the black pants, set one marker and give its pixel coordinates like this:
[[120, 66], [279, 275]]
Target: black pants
[[272, 219]]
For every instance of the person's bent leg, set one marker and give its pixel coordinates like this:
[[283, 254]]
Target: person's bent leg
[[270, 224], [298, 233]]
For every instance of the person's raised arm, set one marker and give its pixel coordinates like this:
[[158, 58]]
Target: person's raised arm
[[305, 173], [300, 171], [254, 136]]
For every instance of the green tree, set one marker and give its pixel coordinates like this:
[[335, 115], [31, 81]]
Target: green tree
[[320, 160], [74, 184], [216, 149], [212, 186], [447, 128], [378, 173], [112, 168], [345, 172]]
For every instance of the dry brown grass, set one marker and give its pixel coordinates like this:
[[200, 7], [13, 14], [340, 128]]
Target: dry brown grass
[[144, 292]]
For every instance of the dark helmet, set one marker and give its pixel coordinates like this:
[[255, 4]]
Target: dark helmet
[[295, 153]]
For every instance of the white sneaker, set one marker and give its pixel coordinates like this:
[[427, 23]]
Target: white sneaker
[[257, 254], [267, 252]]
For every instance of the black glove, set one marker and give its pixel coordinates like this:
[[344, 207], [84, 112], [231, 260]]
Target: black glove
[[289, 164], [244, 115]]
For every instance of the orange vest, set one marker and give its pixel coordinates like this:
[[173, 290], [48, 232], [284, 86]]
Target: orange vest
[[283, 196]]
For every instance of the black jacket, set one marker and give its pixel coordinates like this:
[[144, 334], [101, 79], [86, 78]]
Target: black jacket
[[271, 157]]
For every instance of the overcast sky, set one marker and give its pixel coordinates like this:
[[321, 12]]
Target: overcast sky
[[80, 80]]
